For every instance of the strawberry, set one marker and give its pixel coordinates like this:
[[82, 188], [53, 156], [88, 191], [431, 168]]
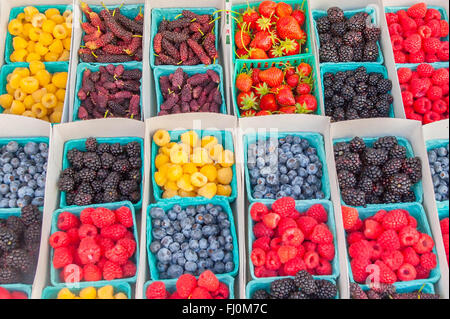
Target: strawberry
[[257, 54], [290, 47], [242, 39], [431, 117], [285, 97], [242, 54], [288, 28], [306, 103], [255, 76], [263, 24], [261, 89], [417, 10], [248, 113], [299, 15], [244, 82], [250, 16], [288, 109], [263, 113], [276, 52], [268, 103], [246, 100], [262, 40], [422, 105], [292, 80], [304, 69], [267, 8], [283, 10], [272, 76], [303, 88]]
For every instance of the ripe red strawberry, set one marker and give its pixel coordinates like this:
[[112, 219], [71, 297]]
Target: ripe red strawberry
[[304, 69], [306, 103], [248, 113], [271, 220], [262, 40], [303, 88], [250, 16], [284, 206], [413, 43], [417, 10], [288, 28], [292, 80], [272, 76], [258, 210], [247, 101], [285, 97], [267, 8], [263, 113], [257, 54], [321, 235], [242, 39], [288, 109], [349, 217], [283, 9], [268, 103], [318, 212], [299, 15], [243, 82]]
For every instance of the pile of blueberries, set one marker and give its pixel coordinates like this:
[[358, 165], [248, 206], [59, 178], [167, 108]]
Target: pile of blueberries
[[191, 240], [22, 174], [287, 166], [438, 159]]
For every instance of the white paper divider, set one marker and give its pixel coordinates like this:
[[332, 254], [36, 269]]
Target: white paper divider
[[197, 121], [436, 130], [6, 6], [302, 123], [412, 131], [61, 134]]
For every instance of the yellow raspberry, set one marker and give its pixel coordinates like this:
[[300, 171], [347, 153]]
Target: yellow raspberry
[[31, 46], [184, 183], [169, 194], [29, 84], [56, 46], [209, 141], [225, 175], [178, 156], [35, 33], [106, 292], [15, 27], [38, 20], [68, 27], [23, 72], [174, 172], [6, 101], [66, 43], [33, 56], [200, 156], [38, 94], [67, 14], [9, 89], [14, 81], [17, 107], [160, 160], [40, 49], [51, 57], [160, 179], [189, 168], [28, 102], [59, 32], [30, 11], [48, 26], [65, 293], [51, 88], [21, 17], [26, 30], [88, 293], [164, 169], [45, 38], [65, 55], [170, 185], [198, 179], [120, 295], [224, 190], [36, 66], [190, 138], [19, 95], [39, 110], [44, 77], [51, 12], [19, 43], [28, 113], [59, 79], [57, 18], [55, 117], [227, 159], [161, 138], [49, 100], [208, 191], [183, 193], [19, 55], [216, 152], [210, 172], [59, 107]]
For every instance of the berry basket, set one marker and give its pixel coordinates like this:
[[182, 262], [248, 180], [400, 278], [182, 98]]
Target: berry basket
[[21, 141], [19, 287], [280, 62], [51, 67], [159, 71], [240, 8], [348, 13], [15, 12], [334, 68], [417, 188], [154, 273], [52, 292], [425, 288], [300, 206], [94, 67], [80, 145], [171, 284], [315, 140], [416, 211], [159, 14], [76, 210], [128, 10], [264, 283], [433, 144], [224, 137]]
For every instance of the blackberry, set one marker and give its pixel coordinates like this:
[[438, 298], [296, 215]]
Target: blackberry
[[384, 86], [97, 186], [69, 172], [357, 22], [103, 148], [110, 196], [32, 234], [413, 167], [92, 160], [397, 151], [323, 25], [324, 37], [374, 78], [373, 199], [399, 184], [298, 295], [373, 295], [127, 187], [338, 101], [346, 179], [372, 33], [364, 113], [66, 183], [361, 87], [102, 174], [386, 142], [359, 102], [361, 74], [107, 160], [335, 14], [75, 157], [328, 53], [305, 282], [347, 93], [112, 181], [328, 93], [9, 275], [383, 108], [373, 156], [365, 184], [392, 167], [134, 175], [82, 199], [16, 224], [356, 291], [91, 144], [339, 114], [134, 149], [370, 53], [351, 81], [409, 197], [338, 29], [260, 294], [86, 188], [86, 175], [373, 172], [282, 288], [350, 162], [341, 148], [386, 97], [19, 259], [121, 166], [116, 149], [340, 76], [8, 239], [70, 196], [325, 290], [352, 38], [353, 197], [135, 162], [345, 53], [378, 189], [357, 145], [98, 198], [135, 197], [351, 114], [358, 53], [338, 84], [30, 214]]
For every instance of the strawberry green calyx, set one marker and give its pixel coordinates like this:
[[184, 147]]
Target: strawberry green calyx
[[264, 23], [249, 102], [262, 89], [277, 51]]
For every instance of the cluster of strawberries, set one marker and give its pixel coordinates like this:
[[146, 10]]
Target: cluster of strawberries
[[424, 92], [207, 286], [272, 31], [416, 35], [283, 90], [390, 244], [288, 241], [96, 246]]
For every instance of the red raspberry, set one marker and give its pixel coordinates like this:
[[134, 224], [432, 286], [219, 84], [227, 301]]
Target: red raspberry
[[72, 273], [422, 105], [440, 77], [185, 285], [258, 257], [104, 243], [424, 245], [432, 14], [376, 250], [409, 26], [358, 226], [445, 238], [412, 222], [301, 251], [309, 246], [117, 254], [200, 293], [326, 251], [129, 235], [62, 256], [413, 43], [354, 237], [293, 266], [306, 225], [419, 22], [431, 117], [318, 212], [419, 87], [311, 259], [85, 215], [349, 216], [156, 290], [443, 53], [399, 57], [112, 270], [425, 70], [422, 273], [67, 220], [175, 296], [124, 216], [286, 253], [284, 224], [444, 28], [428, 261], [208, 280], [393, 259], [275, 243], [410, 256], [391, 17], [408, 236], [102, 217], [417, 10], [222, 292], [431, 45], [444, 225], [359, 269], [372, 229], [435, 27], [257, 211], [262, 242], [389, 240], [406, 272], [404, 75], [129, 244], [115, 232], [379, 215], [262, 272], [261, 230], [431, 57], [59, 239], [395, 29], [324, 268], [129, 269], [18, 295], [272, 261], [387, 276], [102, 263], [92, 272], [284, 206], [88, 251], [424, 31], [321, 235], [292, 237], [360, 249], [395, 219], [73, 236], [271, 220], [87, 230], [397, 42], [418, 57], [414, 116]]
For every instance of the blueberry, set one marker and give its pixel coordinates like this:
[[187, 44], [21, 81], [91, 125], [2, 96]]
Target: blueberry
[[184, 246], [176, 226], [43, 147], [225, 224], [12, 147], [272, 179], [201, 263], [194, 245], [306, 190], [312, 180], [296, 190], [438, 196], [260, 188], [14, 186], [174, 247], [312, 169], [4, 203], [297, 180], [437, 167], [269, 196], [190, 255], [7, 168], [219, 268], [443, 190], [158, 233], [442, 151], [289, 139], [186, 223], [156, 223], [190, 266], [166, 241], [8, 178], [310, 151], [199, 219], [162, 267], [293, 163], [4, 189], [31, 148], [157, 212], [174, 271], [313, 158], [196, 234], [436, 180], [203, 253], [41, 181], [172, 215], [208, 219], [229, 266], [432, 156], [260, 151], [208, 230], [296, 149], [32, 184], [260, 181], [258, 195], [444, 162], [179, 238], [444, 176], [38, 201], [260, 163], [303, 160], [182, 215], [254, 173], [190, 211], [319, 195], [225, 232], [228, 257], [251, 164], [15, 162]]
